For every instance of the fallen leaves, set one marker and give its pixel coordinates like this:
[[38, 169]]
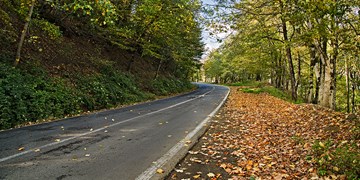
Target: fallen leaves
[[179, 170], [211, 175], [197, 176], [21, 149], [160, 171], [257, 135]]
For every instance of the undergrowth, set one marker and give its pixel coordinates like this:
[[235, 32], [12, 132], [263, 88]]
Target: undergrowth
[[31, 94], [334, 158], [257, 87], [165, 86]]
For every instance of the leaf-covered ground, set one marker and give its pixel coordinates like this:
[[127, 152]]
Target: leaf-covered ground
[[257, 136]]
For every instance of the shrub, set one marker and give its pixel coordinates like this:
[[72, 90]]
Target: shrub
[[51, 30], [165, 86], [337, 159], [25, 97], [30, 94], [108, 90]]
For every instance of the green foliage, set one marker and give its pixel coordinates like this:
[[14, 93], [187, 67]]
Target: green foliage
[[25, 97], [289, 47], [252, 90], [343, 159], [248, 83], [8, 34], [108, 90], [262, 87], [165, 30], [280, 94], [100, 12], [31, 95], [51, 30], [166, 86]]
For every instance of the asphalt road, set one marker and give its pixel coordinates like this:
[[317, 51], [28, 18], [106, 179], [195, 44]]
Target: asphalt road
[[125, 143]]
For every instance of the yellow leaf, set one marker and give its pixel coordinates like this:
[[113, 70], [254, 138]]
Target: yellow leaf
[[267, 157], [21, 149], [159, 171], [211, 175], [197, 176], [335, 168], [321, 144], [228, 170], [223, 166]]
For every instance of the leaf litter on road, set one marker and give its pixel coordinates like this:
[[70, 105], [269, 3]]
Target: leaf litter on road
[[258, 136]]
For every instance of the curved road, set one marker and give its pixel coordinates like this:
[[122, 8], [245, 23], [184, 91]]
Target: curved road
[[125, 143]]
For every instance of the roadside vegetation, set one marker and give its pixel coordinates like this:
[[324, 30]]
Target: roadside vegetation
[[62, 58], [264, 87], [32, 95]]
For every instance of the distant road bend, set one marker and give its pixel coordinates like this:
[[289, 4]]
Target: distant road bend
[[125, 143]]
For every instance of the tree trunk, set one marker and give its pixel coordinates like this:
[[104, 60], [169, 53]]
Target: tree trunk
[[279, 73], [298, 82], [353, 85], [288, 52], [327, 84], [313, 62], [158, 70], [347, 85], [290, 61], [333, 64], [23, 34], [318, 75]]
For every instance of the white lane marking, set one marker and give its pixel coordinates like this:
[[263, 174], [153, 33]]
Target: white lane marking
[[149, 173], [100, 129]]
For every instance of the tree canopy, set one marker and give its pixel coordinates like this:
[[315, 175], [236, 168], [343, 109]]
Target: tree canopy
[[308, 47], [168, 31]]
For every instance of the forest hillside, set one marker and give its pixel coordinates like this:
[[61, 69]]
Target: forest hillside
[[62, 58]]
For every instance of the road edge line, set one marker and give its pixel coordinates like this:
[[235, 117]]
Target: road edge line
[[169, 160], [97, 130]]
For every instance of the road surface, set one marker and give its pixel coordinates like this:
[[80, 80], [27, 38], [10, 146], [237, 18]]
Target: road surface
[[125, 143]]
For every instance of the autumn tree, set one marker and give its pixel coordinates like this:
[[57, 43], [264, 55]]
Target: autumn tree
[[167, 31], [304, 44]]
